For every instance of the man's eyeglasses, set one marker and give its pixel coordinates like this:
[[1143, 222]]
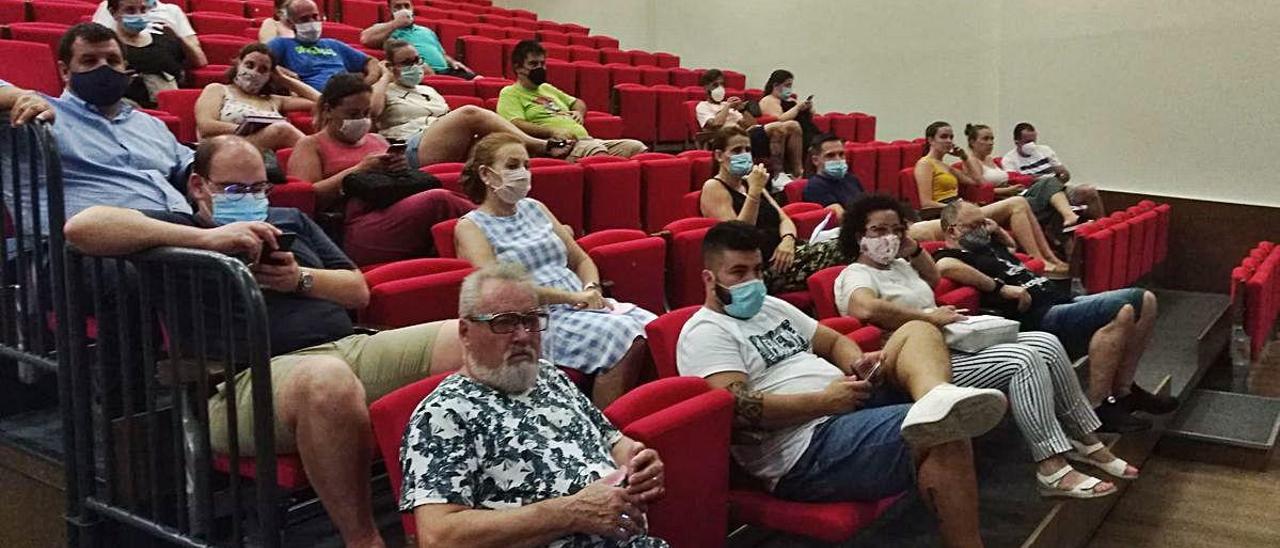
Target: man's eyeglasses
[[506, 322], [236, 191]]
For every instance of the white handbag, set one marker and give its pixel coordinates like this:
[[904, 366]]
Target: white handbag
[[977, 333]]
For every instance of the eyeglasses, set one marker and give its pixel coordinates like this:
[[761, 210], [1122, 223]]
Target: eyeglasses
[[506, 322], [410, 62], [236, 191]]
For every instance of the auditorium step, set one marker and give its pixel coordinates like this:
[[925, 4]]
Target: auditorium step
[[1225, 428]]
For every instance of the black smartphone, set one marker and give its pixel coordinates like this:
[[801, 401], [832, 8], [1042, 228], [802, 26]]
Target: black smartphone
[[809, 98], [397, 148], [284, 242]]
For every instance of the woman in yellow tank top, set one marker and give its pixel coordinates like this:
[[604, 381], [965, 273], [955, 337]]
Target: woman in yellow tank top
[[937, 182]]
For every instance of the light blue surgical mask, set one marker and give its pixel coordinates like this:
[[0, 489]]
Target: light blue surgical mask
[[835, 168], [232, 208], [784, 91], [151, 3], [134, 22], [411, 76], [742, 301], [740, 164]]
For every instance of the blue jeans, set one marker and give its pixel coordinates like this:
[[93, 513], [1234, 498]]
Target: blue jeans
[[854, 456], [1075, 322]]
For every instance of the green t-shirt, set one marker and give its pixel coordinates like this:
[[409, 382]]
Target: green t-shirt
[[545, 106], [425, 41]]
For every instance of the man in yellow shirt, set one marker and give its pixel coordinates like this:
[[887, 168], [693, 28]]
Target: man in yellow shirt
[[543, 111]]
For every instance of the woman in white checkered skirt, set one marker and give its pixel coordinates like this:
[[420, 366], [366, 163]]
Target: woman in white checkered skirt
[[587, 332]]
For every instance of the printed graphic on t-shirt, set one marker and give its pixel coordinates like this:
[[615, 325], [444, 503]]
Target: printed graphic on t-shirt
[[548, 104], [779, 343], [318, 51]]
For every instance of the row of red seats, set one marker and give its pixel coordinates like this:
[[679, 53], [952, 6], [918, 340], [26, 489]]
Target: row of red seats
[[1255, 285], [1119, 249]]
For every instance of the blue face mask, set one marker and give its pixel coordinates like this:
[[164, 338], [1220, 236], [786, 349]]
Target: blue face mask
[[411, 76], [103, 86], [835, 168], [232, 208], [740, 164], [742, 301], [151, 4], [134, 23], [784, 91]]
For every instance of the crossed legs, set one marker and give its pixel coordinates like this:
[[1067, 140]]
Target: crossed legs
[[449, 138]]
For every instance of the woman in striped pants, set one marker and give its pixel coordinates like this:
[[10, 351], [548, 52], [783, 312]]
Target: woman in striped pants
[[891, 283]]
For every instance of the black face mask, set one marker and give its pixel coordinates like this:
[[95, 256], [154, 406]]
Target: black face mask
[[538, 76], [103, 86]]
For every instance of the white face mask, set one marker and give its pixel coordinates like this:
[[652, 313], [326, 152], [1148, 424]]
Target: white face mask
[[353, 130], [717, 94], [515, 185], [1029, 148], [882, 250], [403, 13], [251, 81], [308, 32]]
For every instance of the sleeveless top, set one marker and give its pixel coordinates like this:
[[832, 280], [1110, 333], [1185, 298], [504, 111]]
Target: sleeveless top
[[235, 109], [336, 156], [768, 220], [945, 185]]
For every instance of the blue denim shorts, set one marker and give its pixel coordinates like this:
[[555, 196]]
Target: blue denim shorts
[[411, 150], [1075, 322], [855, 456]]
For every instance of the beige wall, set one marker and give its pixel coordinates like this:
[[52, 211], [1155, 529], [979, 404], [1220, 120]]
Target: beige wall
[[1172, 97]]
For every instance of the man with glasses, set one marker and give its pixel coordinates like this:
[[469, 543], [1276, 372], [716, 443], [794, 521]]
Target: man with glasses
[[323, 375], [317, 59], [509, 452], [402, 27]]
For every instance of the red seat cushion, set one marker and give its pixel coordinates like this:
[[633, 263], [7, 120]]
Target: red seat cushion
[[829, 522], [289, 472]]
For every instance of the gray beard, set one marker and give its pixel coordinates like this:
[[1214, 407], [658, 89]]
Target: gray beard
[[512, 377]]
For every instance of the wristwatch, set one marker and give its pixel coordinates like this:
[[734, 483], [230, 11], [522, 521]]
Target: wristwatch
[[305, 282]]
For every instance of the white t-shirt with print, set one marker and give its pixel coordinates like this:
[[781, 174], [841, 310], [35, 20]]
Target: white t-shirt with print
[[774, 349], [707, 110], [899, 284], [1041, 161]]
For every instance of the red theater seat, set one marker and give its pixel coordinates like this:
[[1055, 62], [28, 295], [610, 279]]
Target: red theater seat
[[230, 7], [664, 182], [631, 263], [553, 37], [560, 188], [449, 31], [42, 33], [213, 22], [221, 49], [483, 54], [612, 192], [593, 85], [449, 85], [638, 107], [862, 162], [684, 266], [563, 75], [610, 56], [181, 103], [64, 12], [666, 60], [701, 161], [413, 291], [579, 52], [30, 65]]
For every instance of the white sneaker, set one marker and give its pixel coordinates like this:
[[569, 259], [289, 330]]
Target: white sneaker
[[948, 413]]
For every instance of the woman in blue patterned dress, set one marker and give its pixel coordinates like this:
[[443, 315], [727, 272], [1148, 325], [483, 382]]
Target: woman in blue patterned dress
[[587, 332]]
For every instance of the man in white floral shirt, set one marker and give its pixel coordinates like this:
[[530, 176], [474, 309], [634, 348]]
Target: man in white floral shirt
[[508, 452]]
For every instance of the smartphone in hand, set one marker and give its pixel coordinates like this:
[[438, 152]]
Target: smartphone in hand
[[284, 242]]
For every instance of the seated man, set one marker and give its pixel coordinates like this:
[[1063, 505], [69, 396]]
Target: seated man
[[163, 15], [1113, 327], [719, 111], [832, 184], [508, 452], [1036, 160], [769, 142], [111, 153], [817, 419], [317, 59], [423, 39], [543, 111], [323, 375]]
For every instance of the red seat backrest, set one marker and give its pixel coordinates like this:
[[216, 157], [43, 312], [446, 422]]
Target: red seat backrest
[[822, 288], [684, 260], [560, 188], [65, 12], [664, 182], [483, 54], [862, 162], [593, 85], [390, 416], [442, 236], [414, 300], [795, 190], [181, 103], [633, 263], [612, 192], [701, 162], [663, 334], [449, 85], [30, 65], [216, 22]]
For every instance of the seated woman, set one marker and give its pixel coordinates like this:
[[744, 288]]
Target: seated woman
[[343, 146], [1046, 195], [407, 110], [258, 88], [737, 192], [587, 333], [892, 282], [275, 26], [780, 102], [939, 184], [781, 139], [159, 59]]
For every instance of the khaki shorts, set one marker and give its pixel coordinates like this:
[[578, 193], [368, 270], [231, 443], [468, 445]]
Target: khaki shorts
[[625, 148], [383, 362]]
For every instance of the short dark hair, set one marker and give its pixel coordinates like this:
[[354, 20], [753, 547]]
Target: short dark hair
[[392, 45], [339, 87], [92, 33], [729, 236], [710, 76], [815, 146], [524, 49], [720, 141], [1021, 127], [855, 219]]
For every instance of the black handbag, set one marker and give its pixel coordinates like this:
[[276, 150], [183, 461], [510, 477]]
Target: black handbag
[[382, 190]]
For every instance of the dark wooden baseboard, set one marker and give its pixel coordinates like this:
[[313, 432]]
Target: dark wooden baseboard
[[1206, 239]]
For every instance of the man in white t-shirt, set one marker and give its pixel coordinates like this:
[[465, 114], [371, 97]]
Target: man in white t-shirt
[[815, 417], [1031, 158], [167, 14]]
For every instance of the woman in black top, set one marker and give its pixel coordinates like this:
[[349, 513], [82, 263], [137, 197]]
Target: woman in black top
[[737, 192], [780, 102], [151, 49]]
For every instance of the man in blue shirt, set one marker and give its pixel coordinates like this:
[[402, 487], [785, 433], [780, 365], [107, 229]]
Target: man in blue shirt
[[831, 184], [111, 154], [317, 59], [401, 27]]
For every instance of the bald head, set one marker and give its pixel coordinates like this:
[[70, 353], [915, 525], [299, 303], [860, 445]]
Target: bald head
[[302, 11]]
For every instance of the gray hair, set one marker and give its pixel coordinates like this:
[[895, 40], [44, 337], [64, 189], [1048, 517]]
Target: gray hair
[[950, 213], [501, 271]]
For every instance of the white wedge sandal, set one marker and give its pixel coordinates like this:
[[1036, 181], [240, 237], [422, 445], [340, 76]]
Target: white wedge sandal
[[1083, 454]]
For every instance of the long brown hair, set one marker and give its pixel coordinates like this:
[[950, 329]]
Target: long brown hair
[[269, 88], [484, 153], [720, 142]]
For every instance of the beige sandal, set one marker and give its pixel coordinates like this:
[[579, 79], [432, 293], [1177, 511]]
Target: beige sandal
[[1049, 485], [1083, 454]]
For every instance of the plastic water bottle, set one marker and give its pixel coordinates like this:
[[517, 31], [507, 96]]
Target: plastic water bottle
[[1241, 348]]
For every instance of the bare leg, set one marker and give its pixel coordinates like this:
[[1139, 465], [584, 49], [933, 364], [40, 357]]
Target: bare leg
[[623, 376], [949, 487], [275, 137], [1136, 345], [1105, 454], [446, 354], [1062, 205], [916, 358], [1016, 213], [449, 139], [777, 143], [322, 401], [1056, 462], [1106, 352], [795, 149]]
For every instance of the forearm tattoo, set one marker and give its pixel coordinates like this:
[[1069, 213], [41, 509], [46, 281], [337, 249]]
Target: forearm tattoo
[[748, 413]]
